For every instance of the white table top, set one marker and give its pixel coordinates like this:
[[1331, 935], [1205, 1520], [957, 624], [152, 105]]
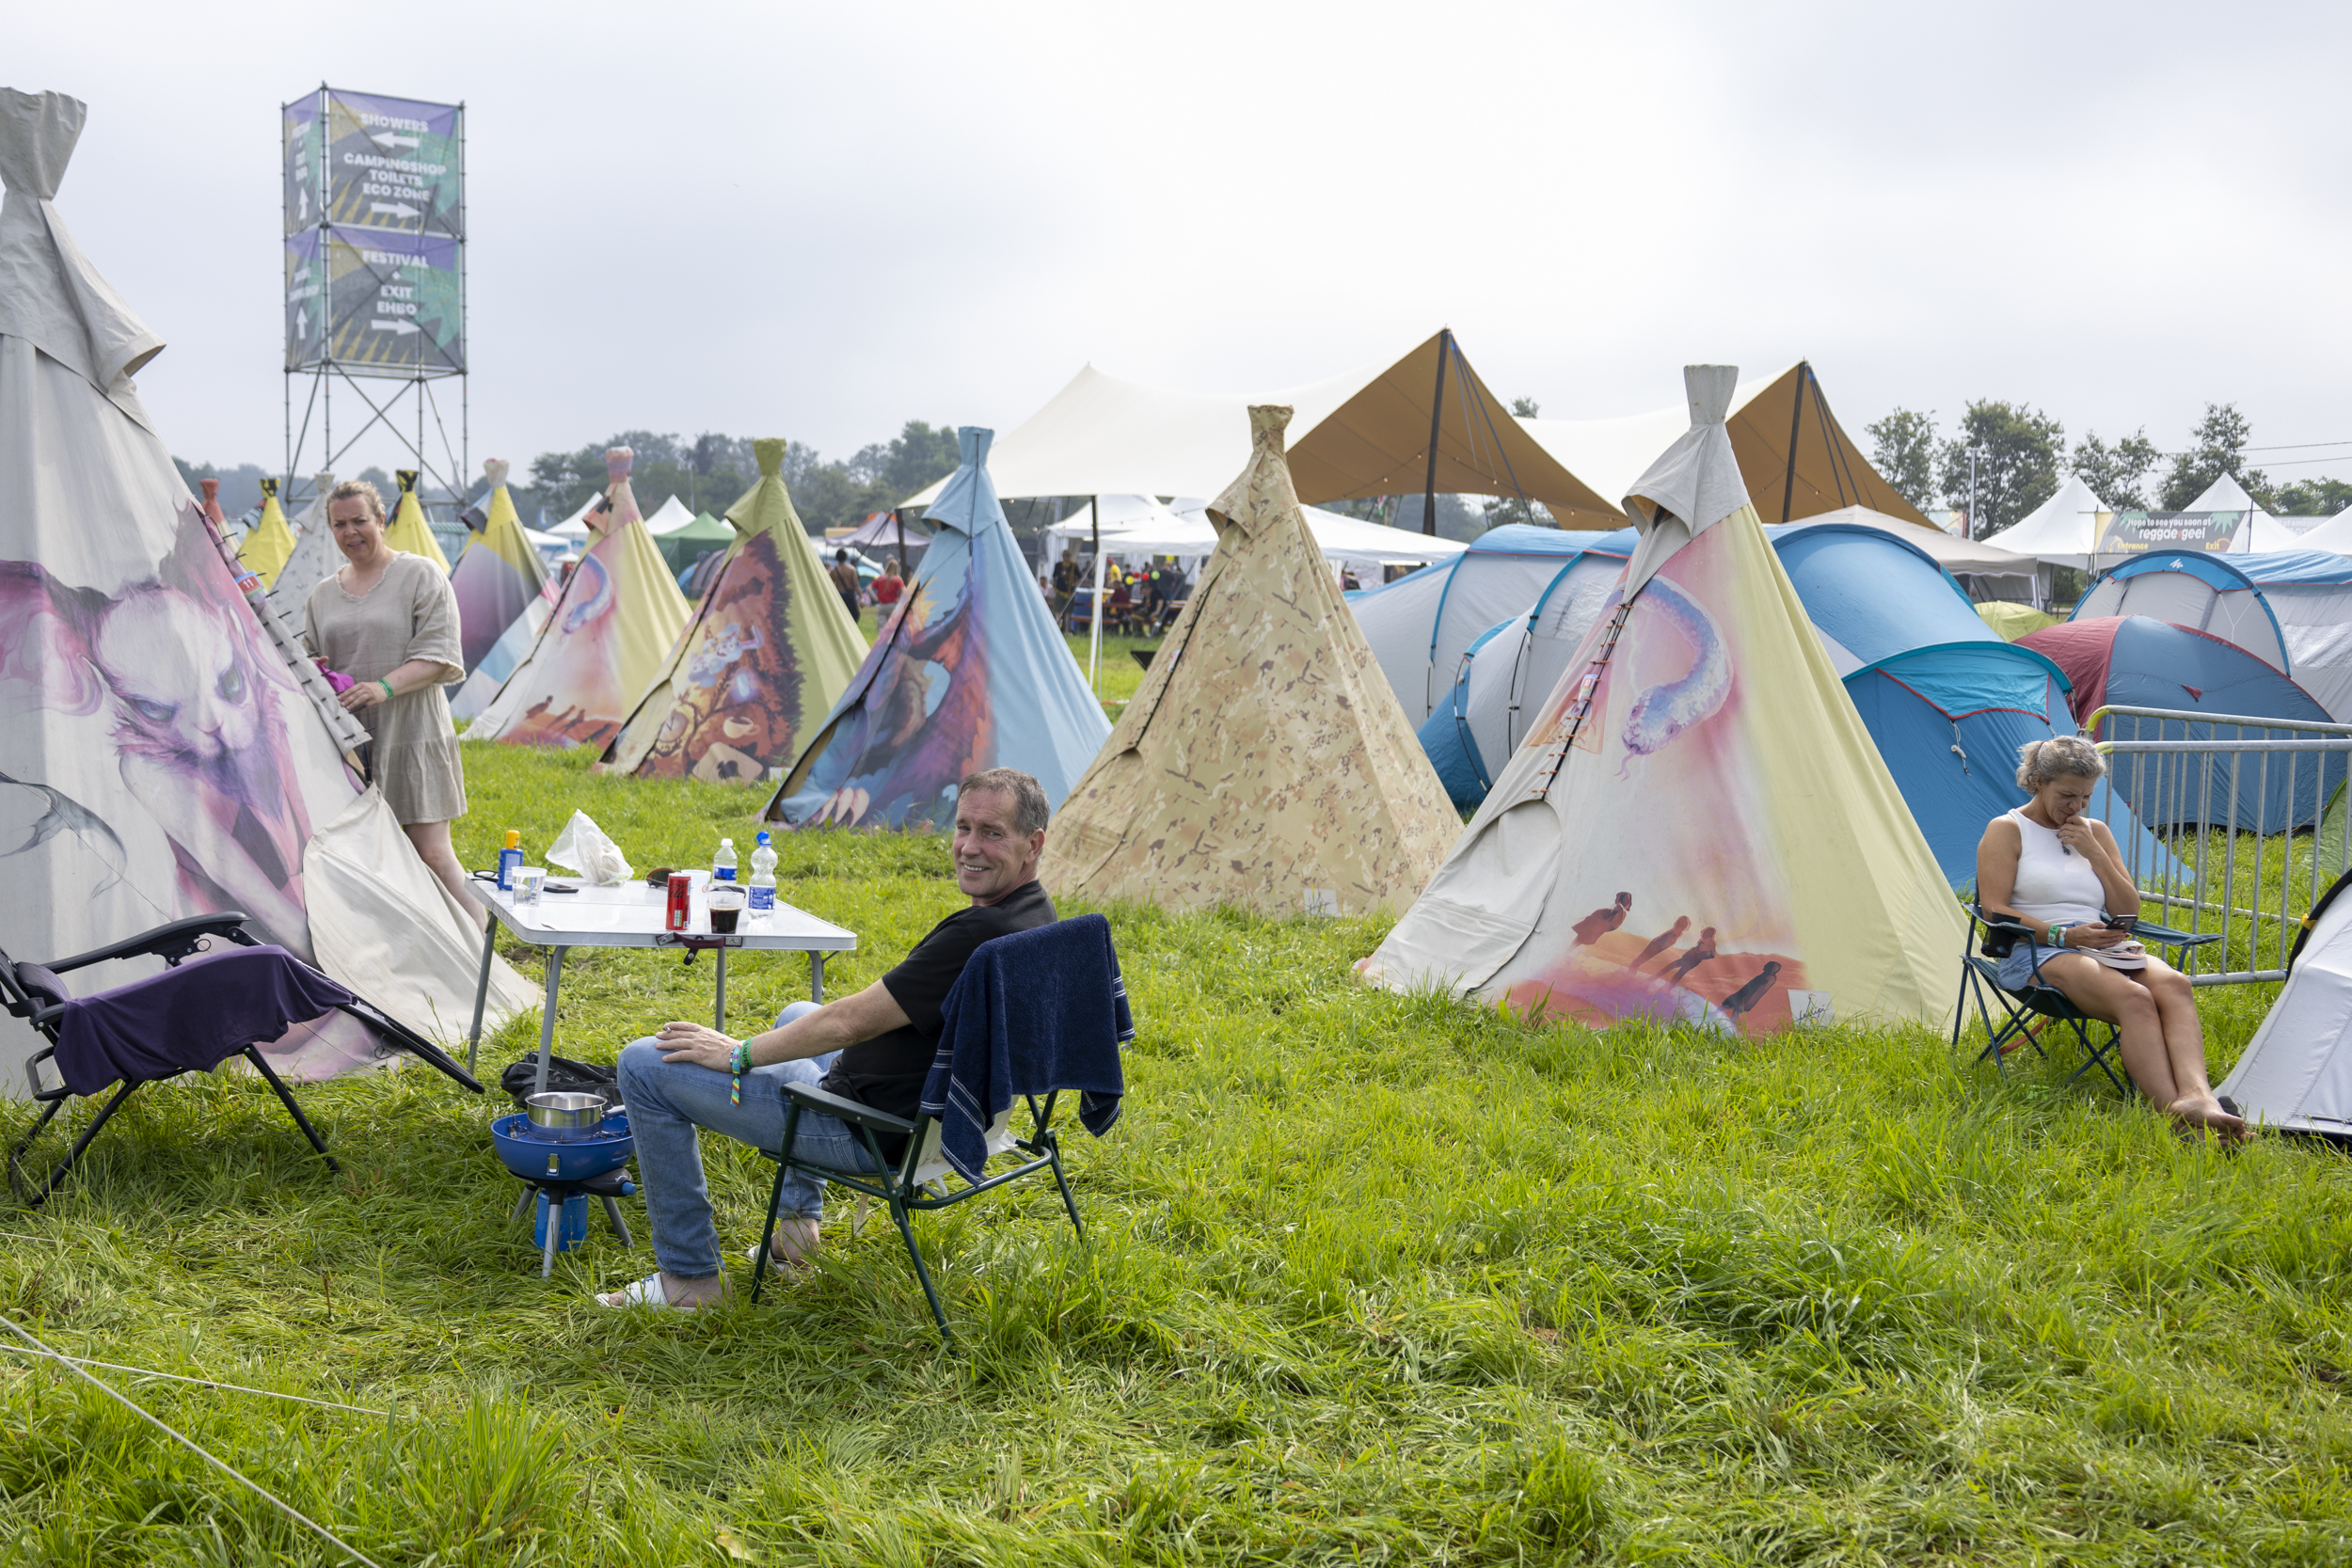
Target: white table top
[[634, 915]]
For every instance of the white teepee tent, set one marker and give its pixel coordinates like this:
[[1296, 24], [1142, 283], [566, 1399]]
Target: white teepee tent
[[1698, 827], [161, 756], [2297, 1074]]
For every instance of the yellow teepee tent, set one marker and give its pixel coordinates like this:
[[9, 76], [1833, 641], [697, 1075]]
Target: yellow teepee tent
[[407, 531], [1264, 762], [269, 543], [1697, 827], [768, 652]]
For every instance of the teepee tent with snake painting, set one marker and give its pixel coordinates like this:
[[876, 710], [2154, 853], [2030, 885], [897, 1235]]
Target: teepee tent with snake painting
[[768, 652], [605, 638], [1264, 762], [1697, 827]]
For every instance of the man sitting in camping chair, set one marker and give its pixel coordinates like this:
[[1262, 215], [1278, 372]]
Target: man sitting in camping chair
[[875, 1047], [2051, 876]]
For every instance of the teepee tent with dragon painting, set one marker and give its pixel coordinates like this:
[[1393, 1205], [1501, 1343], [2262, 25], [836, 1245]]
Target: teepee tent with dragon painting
[[1698, 828], [163, 756]]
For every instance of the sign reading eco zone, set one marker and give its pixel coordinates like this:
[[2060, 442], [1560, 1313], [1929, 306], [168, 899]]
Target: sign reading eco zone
[[392, 162]]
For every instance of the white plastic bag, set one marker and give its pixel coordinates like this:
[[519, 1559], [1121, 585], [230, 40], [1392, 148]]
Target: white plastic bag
[[582, 846]]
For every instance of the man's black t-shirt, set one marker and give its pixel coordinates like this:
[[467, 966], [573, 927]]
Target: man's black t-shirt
[[888, 1071]]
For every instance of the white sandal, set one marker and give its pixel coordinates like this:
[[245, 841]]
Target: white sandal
[[781, 1265], [647, 1293]]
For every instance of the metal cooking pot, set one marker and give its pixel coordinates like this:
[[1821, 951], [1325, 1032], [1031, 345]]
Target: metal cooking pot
[[561, 1118]]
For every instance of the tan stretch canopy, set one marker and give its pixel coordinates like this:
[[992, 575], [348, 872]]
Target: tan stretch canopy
[[1361, 435], [1828, 471]]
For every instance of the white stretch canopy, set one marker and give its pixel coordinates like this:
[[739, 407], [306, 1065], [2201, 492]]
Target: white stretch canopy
[[2016, 577], [2061, 530], [1140, 526], [2335, 533]]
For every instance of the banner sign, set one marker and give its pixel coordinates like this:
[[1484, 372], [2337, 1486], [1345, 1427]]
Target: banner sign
[[2132, 532], [391, 163], [306, 164], [374, 303]]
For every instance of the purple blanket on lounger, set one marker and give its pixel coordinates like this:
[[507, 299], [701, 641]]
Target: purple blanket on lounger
[[190, 1018]]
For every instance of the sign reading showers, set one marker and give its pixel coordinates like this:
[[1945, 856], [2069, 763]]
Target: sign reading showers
[[375, 225]]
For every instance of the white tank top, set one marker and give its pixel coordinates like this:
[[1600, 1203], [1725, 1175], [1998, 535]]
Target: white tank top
[[2053, 883]]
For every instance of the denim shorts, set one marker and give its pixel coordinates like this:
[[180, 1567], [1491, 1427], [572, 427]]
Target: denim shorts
[[2017, 969]]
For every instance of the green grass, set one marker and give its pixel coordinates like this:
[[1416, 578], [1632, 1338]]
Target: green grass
[[1372, 1279]]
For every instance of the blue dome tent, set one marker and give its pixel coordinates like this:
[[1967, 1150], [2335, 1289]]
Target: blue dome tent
[[2289, 609]]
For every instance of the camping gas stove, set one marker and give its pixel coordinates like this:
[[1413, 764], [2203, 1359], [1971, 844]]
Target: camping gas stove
[[559, 1176]]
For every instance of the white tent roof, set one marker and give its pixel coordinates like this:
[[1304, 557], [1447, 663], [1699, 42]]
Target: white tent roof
[[1140, 524], [673, 515], [1610, 455], [2335, 533], [2261, 531], [2296, 1073], [2061, 531], [575, 528], [1958, 556]]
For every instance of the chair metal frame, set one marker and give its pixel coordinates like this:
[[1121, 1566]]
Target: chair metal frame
[[899, 1187], [173, 944], [1980, 977]]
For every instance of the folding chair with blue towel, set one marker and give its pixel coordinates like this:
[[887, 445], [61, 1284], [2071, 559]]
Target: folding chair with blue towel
[[2027, 1012], [1039, 1013], [220, 995]]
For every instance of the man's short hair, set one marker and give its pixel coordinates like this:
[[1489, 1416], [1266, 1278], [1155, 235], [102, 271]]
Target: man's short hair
[[1030, 810], [363, 490], [841, 555]]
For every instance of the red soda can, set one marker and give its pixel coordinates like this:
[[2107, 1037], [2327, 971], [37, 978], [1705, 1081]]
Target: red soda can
[[682, 900]]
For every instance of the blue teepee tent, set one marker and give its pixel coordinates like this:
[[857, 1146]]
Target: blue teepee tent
[[968, 673]]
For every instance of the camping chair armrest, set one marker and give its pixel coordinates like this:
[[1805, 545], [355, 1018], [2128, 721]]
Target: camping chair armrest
[[813, 1099], [2165, 935], [173, 943], [32, 1074]]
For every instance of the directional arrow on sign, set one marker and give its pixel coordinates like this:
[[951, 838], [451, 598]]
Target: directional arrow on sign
[[386, 138], [302, 321], [393, 208], [402, 328]]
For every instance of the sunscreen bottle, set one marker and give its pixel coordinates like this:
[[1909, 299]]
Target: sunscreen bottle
[[509, 859]]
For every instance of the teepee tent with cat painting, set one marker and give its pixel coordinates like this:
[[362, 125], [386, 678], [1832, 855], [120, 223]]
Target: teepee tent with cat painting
[[161, 757], [768, 652], [606, 635], [1265, 762], [1698, 828]]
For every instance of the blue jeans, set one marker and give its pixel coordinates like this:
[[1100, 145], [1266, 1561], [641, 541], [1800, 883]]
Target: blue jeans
[[669, 1103]]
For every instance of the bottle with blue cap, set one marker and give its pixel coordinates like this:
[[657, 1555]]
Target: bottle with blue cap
[[763, 878]]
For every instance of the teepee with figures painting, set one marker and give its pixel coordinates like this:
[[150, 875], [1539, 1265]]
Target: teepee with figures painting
[[1698, 828], [164, 754]]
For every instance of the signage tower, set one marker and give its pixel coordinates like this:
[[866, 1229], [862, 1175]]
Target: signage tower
[[375, 274]]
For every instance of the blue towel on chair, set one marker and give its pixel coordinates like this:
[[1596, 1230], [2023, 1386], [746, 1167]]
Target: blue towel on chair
[[1033, 1012], [188, 1019]]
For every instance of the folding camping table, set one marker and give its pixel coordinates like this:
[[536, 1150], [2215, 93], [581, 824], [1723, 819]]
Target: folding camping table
[[635, 915]]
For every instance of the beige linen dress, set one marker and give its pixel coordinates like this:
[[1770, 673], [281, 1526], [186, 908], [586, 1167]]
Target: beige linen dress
[[411, 612]]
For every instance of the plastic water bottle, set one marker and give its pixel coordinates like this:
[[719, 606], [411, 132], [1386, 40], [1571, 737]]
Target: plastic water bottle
[[763, 878], [723, 864]]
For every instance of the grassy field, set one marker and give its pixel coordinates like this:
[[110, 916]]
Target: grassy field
[[1372, 1279]]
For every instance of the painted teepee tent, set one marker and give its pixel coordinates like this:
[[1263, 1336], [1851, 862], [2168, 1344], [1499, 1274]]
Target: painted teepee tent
[[407, 531], [1697, 827], [497, 577], [314, 557], [161, 757], [968, 673], [269, 543], [606, 635], [1265, 762], [768, 652]]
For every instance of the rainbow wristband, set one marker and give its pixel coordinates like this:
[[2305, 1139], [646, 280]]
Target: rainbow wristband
[[738, 1063]]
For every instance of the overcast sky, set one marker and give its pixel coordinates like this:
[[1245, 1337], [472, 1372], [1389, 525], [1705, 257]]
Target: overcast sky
[[818, 221]]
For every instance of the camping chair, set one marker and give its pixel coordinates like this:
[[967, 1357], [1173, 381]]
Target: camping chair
[[2026, 1013], [37, 993], [919, 1179]]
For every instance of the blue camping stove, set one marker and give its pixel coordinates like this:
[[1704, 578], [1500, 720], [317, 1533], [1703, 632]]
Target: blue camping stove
[[560, 1174]]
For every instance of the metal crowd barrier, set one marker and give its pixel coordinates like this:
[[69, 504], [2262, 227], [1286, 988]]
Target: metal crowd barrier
[[2238, 838]]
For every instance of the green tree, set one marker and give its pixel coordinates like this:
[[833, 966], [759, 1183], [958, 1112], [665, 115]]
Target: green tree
[[2114, 472], [2016, 465], [2311, 498], [2220, 439], [1903, 450], [1515, 509]]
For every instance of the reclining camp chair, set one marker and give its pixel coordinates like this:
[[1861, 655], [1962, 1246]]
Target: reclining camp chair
[[2028, 1012], [1038, 1013], [38, 994]]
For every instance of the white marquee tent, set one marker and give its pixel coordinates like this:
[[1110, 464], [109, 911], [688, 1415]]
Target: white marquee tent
[[2061, 530]]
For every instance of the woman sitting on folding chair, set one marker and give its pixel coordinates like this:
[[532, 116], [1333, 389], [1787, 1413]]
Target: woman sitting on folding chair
[[2056, 873]]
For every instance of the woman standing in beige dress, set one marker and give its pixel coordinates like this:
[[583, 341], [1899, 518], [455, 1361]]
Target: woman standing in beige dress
[[390, 622]]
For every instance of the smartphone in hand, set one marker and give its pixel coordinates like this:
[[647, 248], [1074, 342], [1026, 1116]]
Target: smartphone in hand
[[2126, 924]]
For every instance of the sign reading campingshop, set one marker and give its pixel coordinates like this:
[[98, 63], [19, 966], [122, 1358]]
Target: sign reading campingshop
[[360, 159], [372, 301], [2132, 532]]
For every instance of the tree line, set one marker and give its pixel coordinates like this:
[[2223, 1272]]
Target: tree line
[[2021, 460], [710, 470]]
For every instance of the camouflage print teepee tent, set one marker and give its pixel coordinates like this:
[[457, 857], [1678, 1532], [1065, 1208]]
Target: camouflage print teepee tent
[[1697, 827], [1265, 762], [768, 652]]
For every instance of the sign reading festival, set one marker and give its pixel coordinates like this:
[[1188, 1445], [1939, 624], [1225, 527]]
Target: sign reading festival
[[374, 224]]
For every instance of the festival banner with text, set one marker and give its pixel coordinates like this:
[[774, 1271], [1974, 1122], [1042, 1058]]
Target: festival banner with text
[[373, 302]]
